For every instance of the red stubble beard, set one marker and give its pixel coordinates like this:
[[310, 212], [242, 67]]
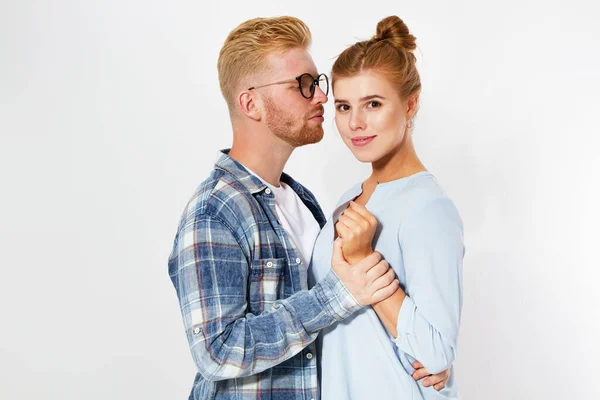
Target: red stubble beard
[[294, 130]]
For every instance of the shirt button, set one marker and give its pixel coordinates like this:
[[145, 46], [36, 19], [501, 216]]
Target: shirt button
[[268, 191], [309, 356], [298, 261], [269, 264], [196, 330]]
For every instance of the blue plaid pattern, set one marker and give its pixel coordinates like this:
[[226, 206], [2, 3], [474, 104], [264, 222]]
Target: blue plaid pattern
[[249, 317]]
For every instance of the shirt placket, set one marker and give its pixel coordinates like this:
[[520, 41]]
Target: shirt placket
[[308, 355]]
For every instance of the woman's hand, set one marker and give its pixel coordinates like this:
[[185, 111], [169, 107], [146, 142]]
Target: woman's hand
[[356, 226]]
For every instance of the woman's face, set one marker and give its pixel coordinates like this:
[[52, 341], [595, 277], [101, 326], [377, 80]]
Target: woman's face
[[370, 115]]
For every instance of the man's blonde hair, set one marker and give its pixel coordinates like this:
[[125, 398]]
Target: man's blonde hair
[[246, 49]]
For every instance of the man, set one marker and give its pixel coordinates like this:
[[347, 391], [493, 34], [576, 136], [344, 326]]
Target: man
[[240, 257]]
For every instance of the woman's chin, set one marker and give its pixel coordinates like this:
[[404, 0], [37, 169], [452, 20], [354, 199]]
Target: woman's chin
[[365, 156]]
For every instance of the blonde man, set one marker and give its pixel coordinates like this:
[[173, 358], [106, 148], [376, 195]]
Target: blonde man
[[242, 249]]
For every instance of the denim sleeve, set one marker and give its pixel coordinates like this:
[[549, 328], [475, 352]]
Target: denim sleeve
[[428, 321], [211, 275]]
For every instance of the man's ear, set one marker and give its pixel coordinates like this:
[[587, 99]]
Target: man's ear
[[249, 104]]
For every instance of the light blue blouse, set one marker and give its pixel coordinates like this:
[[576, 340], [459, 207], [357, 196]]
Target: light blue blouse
[[421, 235]]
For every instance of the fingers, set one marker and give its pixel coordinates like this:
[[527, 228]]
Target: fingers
[[438, 381], [352, 214], [369, 262], [358, 216], [362, 210], [417, 365], [441, 385], [342, 230], [385, 279], [349, 222], [385, 292], [420, 373], [377, 271], [354, 221], [437, 386], [338, 256]]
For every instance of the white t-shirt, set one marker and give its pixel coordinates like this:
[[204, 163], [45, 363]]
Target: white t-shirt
[[295, 218]]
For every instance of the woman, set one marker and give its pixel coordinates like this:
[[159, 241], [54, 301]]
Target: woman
[[372, 354]]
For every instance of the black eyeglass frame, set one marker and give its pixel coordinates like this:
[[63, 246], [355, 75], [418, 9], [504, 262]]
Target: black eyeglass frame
[[314, 83]]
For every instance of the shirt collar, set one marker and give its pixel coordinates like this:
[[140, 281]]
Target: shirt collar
[[250, 181]]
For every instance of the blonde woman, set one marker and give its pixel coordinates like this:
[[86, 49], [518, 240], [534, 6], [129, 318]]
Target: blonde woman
[[400, 211]]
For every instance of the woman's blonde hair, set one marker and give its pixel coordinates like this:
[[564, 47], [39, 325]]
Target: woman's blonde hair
[[245, 50], [389, 52]]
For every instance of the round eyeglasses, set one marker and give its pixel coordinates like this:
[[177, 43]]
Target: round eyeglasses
[[306, 84]]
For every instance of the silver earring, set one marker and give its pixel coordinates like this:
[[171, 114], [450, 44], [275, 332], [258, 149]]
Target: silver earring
[[410, 123]]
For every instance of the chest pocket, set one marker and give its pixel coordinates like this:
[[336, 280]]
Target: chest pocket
[[266, 283]]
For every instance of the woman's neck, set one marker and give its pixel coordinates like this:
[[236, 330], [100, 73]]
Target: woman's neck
[[397, 164]]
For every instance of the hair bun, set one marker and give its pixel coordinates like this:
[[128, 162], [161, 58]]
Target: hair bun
[[393, 30]]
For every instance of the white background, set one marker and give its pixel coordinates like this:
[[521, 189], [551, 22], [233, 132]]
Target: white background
[[110, 116]]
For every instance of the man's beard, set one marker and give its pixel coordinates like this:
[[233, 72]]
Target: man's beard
[[293, 129]]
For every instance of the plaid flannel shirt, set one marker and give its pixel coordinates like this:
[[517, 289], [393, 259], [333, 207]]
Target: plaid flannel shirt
[[249, 317]]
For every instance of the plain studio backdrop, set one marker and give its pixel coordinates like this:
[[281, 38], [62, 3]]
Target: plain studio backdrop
[[111, 115]]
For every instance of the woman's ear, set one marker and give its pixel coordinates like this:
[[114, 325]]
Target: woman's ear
[[413, 106]]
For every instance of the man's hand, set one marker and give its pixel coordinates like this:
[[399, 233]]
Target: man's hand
[[438, 381], [370, 280], [356, 226]]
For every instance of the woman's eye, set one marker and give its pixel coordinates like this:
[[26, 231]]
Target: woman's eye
[[374, 104], [343, 107]]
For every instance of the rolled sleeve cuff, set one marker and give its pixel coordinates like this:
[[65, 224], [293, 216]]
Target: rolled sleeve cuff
[[406, 318], [337, 301]]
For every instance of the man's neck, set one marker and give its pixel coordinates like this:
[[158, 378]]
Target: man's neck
[[267, 160]]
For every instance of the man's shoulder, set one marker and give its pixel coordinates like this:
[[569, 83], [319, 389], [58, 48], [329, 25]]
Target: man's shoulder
[[221, 211], [222, 197]]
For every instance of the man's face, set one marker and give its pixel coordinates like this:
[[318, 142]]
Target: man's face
[[289, 116]]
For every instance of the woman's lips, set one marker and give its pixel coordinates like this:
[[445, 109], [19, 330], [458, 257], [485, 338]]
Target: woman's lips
[[362, 140]]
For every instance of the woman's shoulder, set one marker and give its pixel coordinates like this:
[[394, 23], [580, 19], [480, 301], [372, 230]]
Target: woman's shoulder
[[421, 188], [426, 199], [423, 194]]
